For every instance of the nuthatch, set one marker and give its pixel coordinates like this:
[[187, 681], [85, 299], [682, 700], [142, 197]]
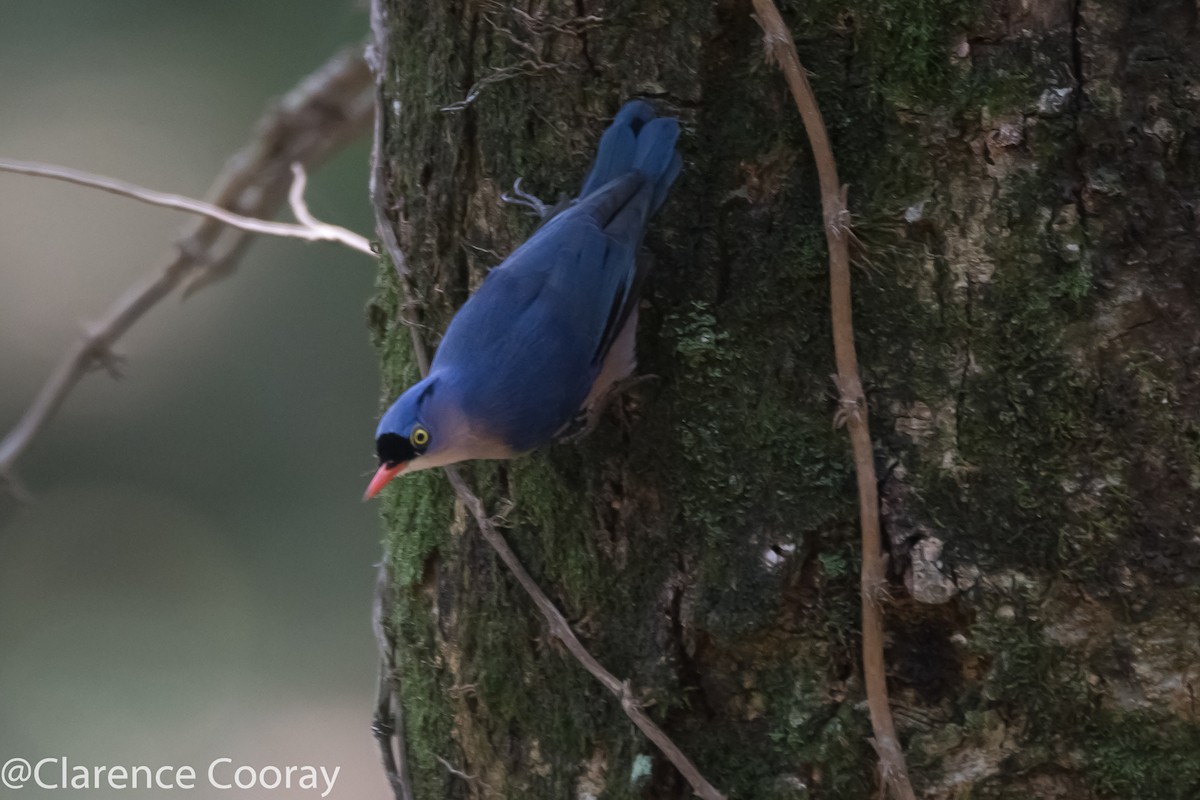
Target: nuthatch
[[551, 329]]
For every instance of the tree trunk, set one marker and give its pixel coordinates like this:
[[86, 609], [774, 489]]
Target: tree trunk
[[1023, 176]]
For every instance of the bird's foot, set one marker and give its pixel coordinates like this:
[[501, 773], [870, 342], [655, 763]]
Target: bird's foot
[[588, 418], [520, 197], [505, 507], [544, 212]]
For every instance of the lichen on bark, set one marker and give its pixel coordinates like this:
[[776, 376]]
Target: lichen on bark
[[1024, 182]]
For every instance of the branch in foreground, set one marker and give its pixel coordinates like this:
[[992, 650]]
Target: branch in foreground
[[326, 111], [557, 623], [308, 229], [777, 40]]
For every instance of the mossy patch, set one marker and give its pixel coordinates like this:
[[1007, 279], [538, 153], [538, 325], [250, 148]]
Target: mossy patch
[[1041, 690], [1142, 755]]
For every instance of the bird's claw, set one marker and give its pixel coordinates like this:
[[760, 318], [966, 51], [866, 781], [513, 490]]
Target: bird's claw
[[505, 507], [520, 197], [544, 212]]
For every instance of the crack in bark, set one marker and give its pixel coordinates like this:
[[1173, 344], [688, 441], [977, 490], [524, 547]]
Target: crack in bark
[[960, 397], [584, 47], [467, 168], [1075, 109]]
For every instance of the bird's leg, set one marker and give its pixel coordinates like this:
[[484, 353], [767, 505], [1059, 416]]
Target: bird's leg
[[588, 418]]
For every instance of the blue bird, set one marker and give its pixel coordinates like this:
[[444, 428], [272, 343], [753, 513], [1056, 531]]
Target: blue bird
[[551, 329]]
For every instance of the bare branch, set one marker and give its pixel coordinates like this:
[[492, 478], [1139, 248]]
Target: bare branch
[[330, 108], [781, 49], [322, 231], [309, 229]]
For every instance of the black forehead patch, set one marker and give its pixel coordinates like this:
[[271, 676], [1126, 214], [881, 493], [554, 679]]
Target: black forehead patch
[[393, 449]]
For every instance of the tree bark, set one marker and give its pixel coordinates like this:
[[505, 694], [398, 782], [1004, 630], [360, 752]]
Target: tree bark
[[1024, 182]]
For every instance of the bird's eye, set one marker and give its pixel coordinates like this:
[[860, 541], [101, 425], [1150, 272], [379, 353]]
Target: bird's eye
[[419, 437]]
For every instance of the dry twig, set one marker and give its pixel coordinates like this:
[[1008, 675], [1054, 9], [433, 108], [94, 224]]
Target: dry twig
[[557, 623], [781, 49], [308, 228], [327, 110]]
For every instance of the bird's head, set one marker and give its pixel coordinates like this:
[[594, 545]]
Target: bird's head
[[411, 435]]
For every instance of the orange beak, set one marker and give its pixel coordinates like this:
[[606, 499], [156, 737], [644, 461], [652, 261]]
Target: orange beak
[[382, 477]]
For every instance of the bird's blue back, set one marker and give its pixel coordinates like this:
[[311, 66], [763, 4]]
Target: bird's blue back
[[525, 349]]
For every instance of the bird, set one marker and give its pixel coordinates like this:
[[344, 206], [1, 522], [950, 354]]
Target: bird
[[551, 329]]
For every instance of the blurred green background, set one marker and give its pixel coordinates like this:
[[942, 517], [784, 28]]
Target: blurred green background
[[195, 577]]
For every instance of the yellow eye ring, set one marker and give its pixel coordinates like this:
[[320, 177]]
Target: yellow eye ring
[[419, 437]]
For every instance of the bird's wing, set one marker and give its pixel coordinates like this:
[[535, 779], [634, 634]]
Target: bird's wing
[[579, 273], [520, 353], [585, 262]]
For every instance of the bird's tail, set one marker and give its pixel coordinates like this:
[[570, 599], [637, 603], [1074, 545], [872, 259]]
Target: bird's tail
[[639, 140]]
